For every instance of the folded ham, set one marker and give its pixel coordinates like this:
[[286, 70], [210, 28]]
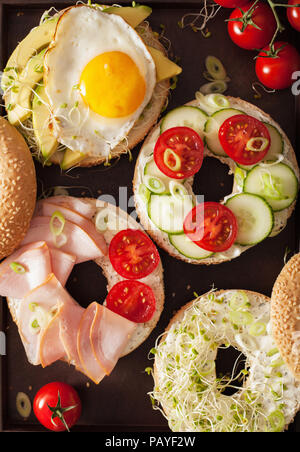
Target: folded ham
[[109, 334], [30, 265], [85, 243], [79, 205]]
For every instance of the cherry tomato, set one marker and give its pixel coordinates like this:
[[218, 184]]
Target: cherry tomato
[[132, 254], [231, 3], [246, 35], [245, 139], [293, 14], [212, 226], [276, 73], [178, 152], [133, 300], [57, 406]]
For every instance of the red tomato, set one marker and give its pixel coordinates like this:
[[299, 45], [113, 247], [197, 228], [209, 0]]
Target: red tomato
[[57, 406], [245, 139], [276, 73], [246, 35], [132, 254], [231, 3], [212, 226], [178, 152], [293, 14], [133, 300]]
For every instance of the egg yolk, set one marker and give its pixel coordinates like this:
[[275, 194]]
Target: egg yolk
[[111, 85]]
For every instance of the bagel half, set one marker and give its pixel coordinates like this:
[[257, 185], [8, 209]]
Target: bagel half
[[187, 388], [18, 188], [285, 314], [154, 280], [162, 238]]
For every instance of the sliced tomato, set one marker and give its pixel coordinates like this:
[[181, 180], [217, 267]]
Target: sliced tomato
[[212, 226], [132, 254], [178, 152], [245, 139], [133, 300]]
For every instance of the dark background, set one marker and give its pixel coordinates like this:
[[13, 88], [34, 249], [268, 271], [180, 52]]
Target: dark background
[[120, 402]]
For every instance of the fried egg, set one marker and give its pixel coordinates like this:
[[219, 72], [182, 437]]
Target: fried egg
[[99, 76]]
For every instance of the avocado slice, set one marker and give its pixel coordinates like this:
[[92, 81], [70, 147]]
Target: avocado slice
[[71, 158], [165, 68], [132, 15], [38, 38], [18, 102], [40, 122]]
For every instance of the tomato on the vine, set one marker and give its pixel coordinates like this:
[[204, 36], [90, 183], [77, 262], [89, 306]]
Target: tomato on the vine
[[274, 69], [293, 14], [57, 406], [252, 26], [231, 3]]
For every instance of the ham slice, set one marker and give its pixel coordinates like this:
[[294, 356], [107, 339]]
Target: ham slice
[[82, 206], [48, 208], [79, 242], [48, 337], [92, 367], [35, 258], [70, 317], [109, 335], [62, 264], [37, 309]]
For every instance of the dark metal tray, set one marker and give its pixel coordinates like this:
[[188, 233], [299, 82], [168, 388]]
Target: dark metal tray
[[120, 402]]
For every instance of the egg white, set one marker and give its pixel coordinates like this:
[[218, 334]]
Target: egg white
[[82, 33]]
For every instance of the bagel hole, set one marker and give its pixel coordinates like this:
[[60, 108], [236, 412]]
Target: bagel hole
[[87, 283], [229, 364], [213, 180]]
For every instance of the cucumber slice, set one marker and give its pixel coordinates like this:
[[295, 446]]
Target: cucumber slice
[[151, 169], [168, 213], [185, 116], [254, 217], [276, 147], [187, 248], [211, 129], [277, 184]]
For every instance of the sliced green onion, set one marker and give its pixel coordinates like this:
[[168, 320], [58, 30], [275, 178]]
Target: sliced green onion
[[215, 68], [178, 191], [271, 187], [277, 363], [144, 193], [154, 184], [273, 352], [257, 329], [238, 300], [218, 86], [23, 404], [207, 368], [250, 146], [17, 268], [57, 216], [241, 318], [35, 324], [218, 100], [32, 306], [101, 220], [277, 421], [60, 240], [239, 177], [177, 164]]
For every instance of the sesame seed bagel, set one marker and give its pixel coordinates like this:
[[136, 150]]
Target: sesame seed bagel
[[18, 188], [285, 310]]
